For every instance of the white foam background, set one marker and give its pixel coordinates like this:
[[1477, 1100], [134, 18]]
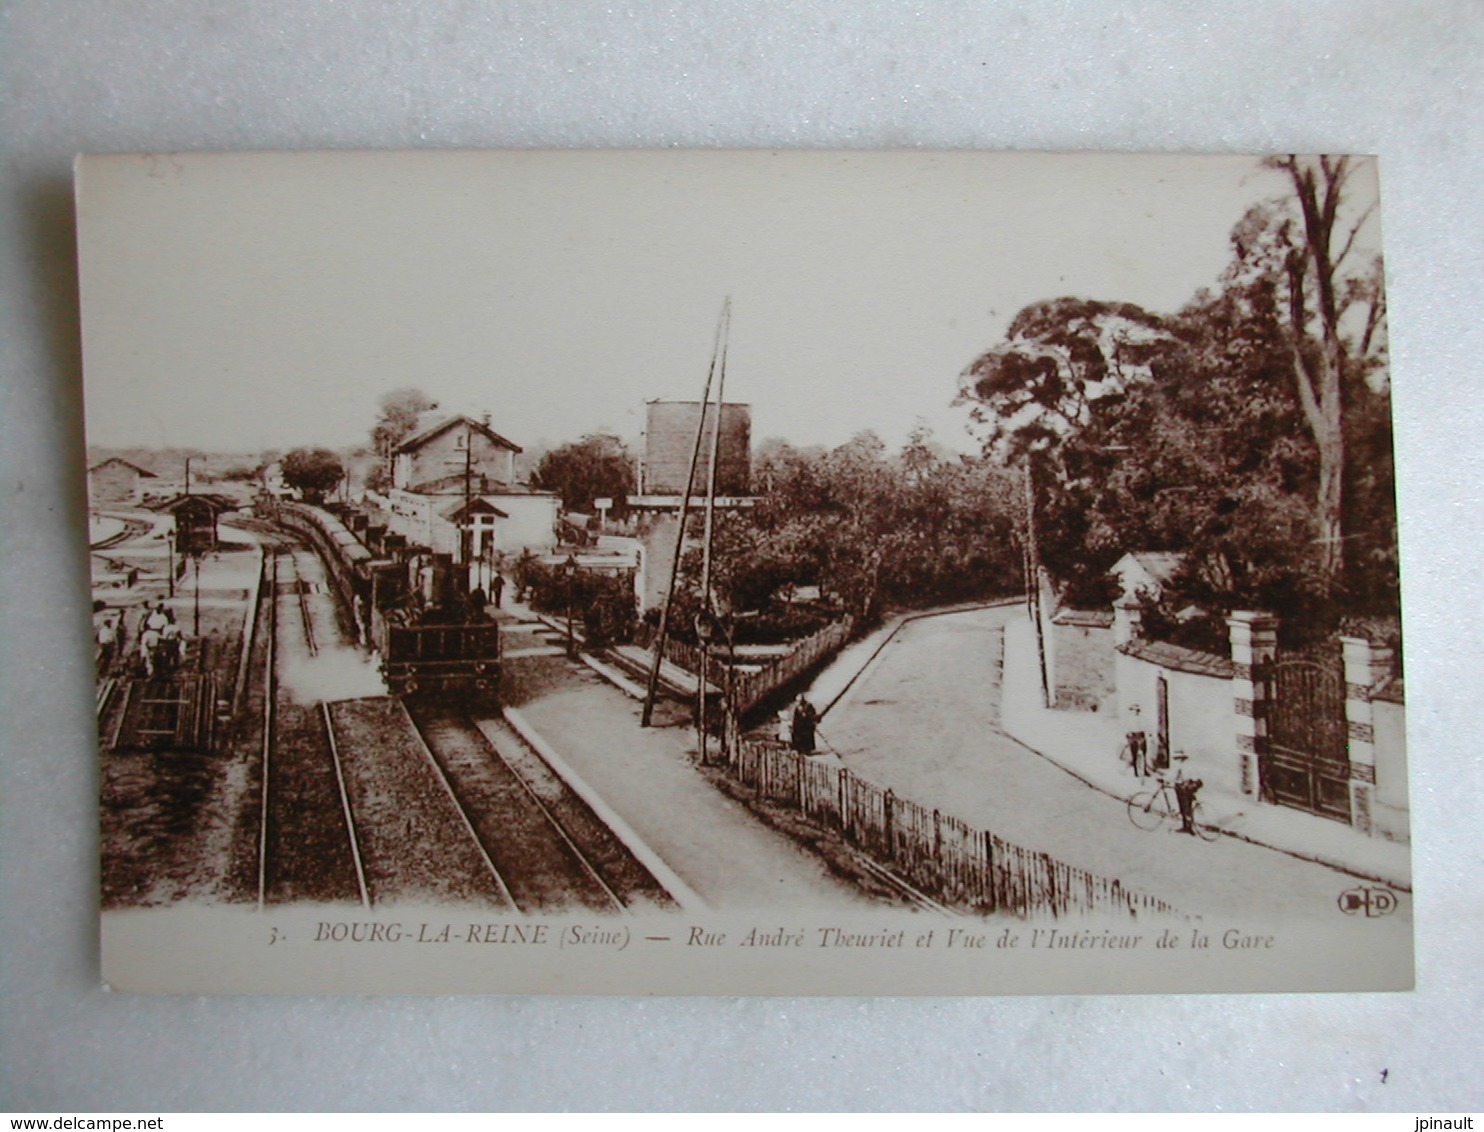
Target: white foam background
[[1402, 79]]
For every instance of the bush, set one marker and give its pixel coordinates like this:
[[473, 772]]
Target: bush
[[606, 604]]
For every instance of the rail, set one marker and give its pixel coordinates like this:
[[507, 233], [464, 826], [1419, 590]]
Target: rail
[[303, 601], [269, 771], [270, 681], [350, 821], [435, 728], [249, 628]]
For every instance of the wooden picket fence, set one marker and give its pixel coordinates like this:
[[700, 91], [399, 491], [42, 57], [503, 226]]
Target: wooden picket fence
[[748, 689], [686, 656], [962, 867]]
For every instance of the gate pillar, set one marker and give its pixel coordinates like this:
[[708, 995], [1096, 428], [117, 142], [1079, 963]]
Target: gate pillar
[[1366, 665], [1254, 646]]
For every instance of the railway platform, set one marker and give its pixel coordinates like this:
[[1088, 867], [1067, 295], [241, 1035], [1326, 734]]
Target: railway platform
[[647, 776]]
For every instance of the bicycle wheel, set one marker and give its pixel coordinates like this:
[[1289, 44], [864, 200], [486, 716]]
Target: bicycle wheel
[[1145, 811], [1203, 830]]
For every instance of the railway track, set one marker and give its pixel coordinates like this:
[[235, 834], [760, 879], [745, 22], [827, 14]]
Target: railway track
[[551, 851], [352, 807], [308, 846], [379, 801]]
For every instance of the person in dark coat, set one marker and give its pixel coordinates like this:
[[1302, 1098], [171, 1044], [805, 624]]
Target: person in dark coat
[[497, 588], [1137, 746], [805, 724], [1185, 791], [477, 601]]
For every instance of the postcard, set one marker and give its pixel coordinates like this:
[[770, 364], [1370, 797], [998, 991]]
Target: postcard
[[686, 572]]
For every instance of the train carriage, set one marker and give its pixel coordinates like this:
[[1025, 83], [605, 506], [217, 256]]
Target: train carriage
[[439, 658]]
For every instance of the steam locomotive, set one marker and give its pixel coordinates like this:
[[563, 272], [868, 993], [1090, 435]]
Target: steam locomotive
[[408, 603]]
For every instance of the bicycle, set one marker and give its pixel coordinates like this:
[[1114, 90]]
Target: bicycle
[[1150, 809]]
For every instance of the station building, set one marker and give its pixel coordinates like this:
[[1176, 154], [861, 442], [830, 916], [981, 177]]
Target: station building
[[117, 482], [454, 490]]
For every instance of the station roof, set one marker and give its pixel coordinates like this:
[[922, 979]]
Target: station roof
[[126, 463], [424, 434], [217, 503], [476, 506]]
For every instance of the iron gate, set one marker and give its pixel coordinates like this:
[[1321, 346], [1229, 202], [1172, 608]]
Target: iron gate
[[1308, 761]]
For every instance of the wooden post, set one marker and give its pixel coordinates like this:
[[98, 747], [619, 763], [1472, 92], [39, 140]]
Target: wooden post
[[1033, 582], [647, 714]]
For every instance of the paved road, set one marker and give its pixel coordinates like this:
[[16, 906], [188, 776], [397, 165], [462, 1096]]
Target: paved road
[[922, 719]]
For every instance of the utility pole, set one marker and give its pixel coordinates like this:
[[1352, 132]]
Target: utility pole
[[196, 604], [466, 528], [703, 677], [1033, 579], [569, 571], [659, 641]]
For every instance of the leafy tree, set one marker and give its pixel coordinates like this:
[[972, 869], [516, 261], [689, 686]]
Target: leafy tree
[[1207, 456], [606, 606], [315, 472], [1209, 437], [920, 528], [597, 466], [1332, 318], [1062, 361], [400, 410]]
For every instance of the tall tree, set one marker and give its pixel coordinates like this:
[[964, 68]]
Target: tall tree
[[1248, 430], [400, 410], [314, 471], [597, 466], [1062, 362], [1333, 318]]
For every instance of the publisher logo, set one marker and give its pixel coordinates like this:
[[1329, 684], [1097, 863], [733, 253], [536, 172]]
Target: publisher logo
[[1368, 901]]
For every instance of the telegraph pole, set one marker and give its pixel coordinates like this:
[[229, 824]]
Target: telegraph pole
[[695, 456], [1033, 581], [702, 677]]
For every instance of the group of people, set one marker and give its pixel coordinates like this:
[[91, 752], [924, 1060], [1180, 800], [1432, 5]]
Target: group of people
[[161, 646]]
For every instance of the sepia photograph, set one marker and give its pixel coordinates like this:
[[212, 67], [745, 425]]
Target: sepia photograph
[[743, 572]]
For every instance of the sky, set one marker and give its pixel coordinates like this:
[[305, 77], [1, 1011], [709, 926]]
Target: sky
[[239, 302]]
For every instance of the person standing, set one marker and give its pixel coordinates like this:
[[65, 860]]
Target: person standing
[[1138, 752], [477, 601], [149, 644], [172, 646], [805, 725], [1185, 791], [497, 588], [157, 618], [107, 636]]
